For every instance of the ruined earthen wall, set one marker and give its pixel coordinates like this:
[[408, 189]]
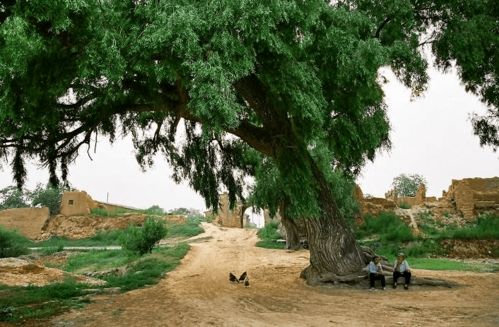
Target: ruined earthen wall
[[473, 196], [76, 203], [28, 221], [227, 217]]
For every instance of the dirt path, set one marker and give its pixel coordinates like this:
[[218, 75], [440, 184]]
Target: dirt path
[[198, 293]]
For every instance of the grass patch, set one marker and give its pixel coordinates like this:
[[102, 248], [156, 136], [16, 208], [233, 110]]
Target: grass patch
[[448, 264], [101, 212], [149, 269], [189, 229], [98, 260], [21, 303], [405, 205], [270, 244], [387, 227], [486, 227], [269, 235]]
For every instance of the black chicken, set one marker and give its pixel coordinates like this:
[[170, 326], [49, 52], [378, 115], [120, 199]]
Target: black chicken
[[233, 278]]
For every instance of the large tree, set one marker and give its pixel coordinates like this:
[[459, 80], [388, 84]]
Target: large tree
[[295, 84]]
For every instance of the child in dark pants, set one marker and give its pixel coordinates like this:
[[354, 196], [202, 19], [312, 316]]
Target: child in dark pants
[[401, 269], [376, 272]]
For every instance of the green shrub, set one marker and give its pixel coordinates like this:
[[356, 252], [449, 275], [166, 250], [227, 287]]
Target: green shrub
[[155, 210], [269, 235], [52, 249], [424, 248], [102, 212], [269, 232], [486, 227], [141, 240], [49, 197], [387, 226], [188, 229], [12, 244], [149, 269], [405, 205]]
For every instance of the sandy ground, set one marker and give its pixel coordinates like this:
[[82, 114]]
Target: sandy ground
[[198, 293]]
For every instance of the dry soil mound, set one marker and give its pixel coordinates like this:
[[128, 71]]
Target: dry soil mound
[[19, 272]]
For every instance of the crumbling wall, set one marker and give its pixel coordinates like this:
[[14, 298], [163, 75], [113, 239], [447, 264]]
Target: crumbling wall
[[371, 206], [419, 199], [473, 196], [228, 217], [76, 204], [28, 221]]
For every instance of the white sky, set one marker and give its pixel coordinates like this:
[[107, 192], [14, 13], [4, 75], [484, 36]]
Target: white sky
[[431, 136]]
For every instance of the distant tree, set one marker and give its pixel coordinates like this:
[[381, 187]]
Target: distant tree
[[407, 185], [47, 196], [12, 197], [155, 210]]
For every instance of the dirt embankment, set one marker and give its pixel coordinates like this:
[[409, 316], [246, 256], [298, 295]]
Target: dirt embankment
[[198, 293], [77, 227], [19, 272]]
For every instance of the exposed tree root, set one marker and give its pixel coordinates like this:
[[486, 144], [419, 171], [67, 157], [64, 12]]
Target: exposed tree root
[[360, 278]]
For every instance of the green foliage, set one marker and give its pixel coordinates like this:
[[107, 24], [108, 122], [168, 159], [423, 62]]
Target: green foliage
[[12, 244], [21, 303], [155, 210], [387, 226], [12, 197], [269, 231], [53, 249], [98, 260], [149, 269], [486, 227], [189, 229], [269, 235], [423, 248], [118, 212], [48, 196], [407, 185], [449, 264], [141, 240], [404, 205], [297, 82]]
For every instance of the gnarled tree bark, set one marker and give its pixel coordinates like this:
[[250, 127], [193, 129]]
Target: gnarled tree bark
[[335, 255]]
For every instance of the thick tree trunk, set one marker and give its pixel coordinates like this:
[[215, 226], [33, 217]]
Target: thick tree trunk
[[292, 230], [292, 233], [335, 255]]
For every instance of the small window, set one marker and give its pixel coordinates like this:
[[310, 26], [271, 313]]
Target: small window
[[70, 202]]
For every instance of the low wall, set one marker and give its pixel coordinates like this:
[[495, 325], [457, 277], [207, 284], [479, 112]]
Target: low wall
[[27, 221]]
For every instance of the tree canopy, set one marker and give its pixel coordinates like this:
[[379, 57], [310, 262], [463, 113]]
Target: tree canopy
[[227, 88], [407, 185], [274, 74]]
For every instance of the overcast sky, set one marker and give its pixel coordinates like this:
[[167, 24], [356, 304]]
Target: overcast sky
[[431, 136]]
